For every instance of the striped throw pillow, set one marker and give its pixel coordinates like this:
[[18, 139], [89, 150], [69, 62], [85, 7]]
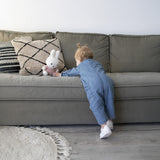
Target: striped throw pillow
[[8, 58]]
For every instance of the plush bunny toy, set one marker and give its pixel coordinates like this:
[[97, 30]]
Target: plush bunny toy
[[52, 63]]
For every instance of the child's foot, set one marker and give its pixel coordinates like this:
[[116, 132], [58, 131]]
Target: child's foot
[[110, 124], [105, 132]]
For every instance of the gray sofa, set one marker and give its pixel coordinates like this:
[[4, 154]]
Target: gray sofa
[[133, 62]]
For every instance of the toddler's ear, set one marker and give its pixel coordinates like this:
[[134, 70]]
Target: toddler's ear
[[57, 54]]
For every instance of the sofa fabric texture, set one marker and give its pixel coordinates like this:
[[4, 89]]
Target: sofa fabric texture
[[137, 85], [99, 43], [135, 53]]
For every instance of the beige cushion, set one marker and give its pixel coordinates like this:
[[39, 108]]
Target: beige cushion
[[32, 55], [23, 38]]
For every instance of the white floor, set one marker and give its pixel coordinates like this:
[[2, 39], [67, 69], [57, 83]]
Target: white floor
[[128, 142]]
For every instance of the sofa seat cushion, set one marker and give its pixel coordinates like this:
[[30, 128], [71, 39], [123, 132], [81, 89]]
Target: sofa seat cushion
[[137, 85], [127, 86], [18, 87]]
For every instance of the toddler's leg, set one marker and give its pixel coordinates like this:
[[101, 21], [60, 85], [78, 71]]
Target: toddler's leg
[[97, 105], [101, 117], [109, 99], [99, 113]]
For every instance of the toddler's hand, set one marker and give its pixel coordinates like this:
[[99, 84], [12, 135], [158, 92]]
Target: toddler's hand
[[56, 74]]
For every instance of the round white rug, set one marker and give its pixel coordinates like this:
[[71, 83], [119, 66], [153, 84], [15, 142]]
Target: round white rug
[[19, 143]]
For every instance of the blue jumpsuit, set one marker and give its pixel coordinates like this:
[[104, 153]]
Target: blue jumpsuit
[[98, 86]]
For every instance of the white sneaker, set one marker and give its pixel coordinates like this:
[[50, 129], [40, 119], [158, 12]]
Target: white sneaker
[[105, 132], [110, 124]]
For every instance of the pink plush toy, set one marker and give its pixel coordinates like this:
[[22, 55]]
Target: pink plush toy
[[52, 63]]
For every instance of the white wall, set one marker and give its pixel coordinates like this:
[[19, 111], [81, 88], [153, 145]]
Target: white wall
[[101, 16]]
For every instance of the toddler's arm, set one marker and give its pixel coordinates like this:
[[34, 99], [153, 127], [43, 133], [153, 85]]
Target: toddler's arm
[[70, 72], [57, 74]]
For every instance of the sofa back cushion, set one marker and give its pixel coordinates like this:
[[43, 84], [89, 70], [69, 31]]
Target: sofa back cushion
[[99, 43], [135, 53], [9, 35]]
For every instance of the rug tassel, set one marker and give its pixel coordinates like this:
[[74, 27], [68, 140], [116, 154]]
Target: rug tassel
[[63, 147]]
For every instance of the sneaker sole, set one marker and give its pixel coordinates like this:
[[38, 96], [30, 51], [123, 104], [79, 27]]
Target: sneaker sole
[[106, 135], [110, 127]]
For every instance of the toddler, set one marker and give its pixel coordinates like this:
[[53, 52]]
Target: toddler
[[98, 86]]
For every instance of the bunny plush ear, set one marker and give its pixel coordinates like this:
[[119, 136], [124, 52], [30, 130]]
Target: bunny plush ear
[[53, 52], [57, 54]]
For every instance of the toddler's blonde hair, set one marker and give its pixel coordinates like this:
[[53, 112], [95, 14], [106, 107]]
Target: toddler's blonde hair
[[83, 52]]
